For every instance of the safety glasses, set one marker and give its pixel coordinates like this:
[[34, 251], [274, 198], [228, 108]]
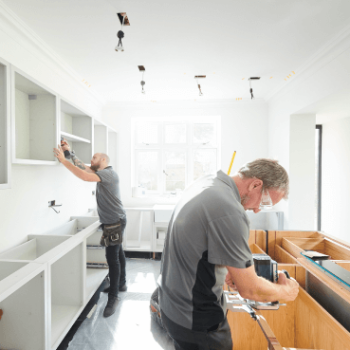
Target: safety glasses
[[266, 201]]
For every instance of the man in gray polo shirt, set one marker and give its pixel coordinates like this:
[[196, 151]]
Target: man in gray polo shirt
[[110, 210], [206, 243]]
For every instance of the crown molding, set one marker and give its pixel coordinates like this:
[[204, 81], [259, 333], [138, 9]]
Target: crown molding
[[331, 50], [197, 103], [14, 22]]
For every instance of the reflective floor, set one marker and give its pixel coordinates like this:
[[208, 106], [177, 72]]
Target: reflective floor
[[131, 326]]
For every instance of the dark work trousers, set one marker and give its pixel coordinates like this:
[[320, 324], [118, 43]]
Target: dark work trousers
[[186, 339], [116, 264]]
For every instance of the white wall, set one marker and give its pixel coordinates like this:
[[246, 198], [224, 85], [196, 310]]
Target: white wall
[[243, 129], [326, 75], [302, 171], [23, 208], [335, 178]]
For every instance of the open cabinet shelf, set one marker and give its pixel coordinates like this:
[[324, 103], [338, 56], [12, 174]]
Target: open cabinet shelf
[[100, 137], [34, 121], [5, 168], [112, 148], [45, 284], [74, 138], [76, 127], [23, 316], [67, 294]]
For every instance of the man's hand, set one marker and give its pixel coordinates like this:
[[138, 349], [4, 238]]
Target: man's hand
[[229, 282], [59, 154], [65, 145], [252, 287], [291, 287]]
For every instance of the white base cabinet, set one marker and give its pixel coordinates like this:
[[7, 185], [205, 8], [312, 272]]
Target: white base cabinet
[[45, 284]]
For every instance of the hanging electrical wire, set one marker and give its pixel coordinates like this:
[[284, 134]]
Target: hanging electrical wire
[[250, 86], [199, 86], [120, 35], [142, 69]]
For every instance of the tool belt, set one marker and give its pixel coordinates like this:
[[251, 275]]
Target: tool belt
[[112, 235]]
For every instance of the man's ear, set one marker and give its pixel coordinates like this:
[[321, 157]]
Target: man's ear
[[255, 184]]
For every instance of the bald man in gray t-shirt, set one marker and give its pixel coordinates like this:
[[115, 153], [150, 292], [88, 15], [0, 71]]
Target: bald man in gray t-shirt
[[110, 210]]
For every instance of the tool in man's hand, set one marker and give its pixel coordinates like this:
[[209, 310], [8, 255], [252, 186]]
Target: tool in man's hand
[[67, 154], [264, 267]]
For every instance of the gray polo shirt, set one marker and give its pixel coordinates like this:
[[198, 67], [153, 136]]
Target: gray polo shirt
[[109, 206], [209, 230]]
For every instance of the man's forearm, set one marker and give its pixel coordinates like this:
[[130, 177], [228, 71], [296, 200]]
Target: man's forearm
[[265, 291], [78, 163], [77, 171]]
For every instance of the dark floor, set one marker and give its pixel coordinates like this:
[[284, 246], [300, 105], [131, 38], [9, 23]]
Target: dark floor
[[131, 326]]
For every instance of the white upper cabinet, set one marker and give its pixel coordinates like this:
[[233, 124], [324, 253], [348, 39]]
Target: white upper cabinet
[[76, 128], [100, 137], [112, 148], [39, 118], [5, 167], [34, 120]]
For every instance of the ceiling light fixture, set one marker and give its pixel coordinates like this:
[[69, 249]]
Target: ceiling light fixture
[[250, 85], [199, 87], [124, 21], [142, 70]]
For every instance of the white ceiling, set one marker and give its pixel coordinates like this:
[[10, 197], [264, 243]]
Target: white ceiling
[[227, 40]]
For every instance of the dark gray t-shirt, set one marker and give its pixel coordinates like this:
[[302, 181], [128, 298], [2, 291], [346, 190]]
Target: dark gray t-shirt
[[209, 230], [109, 206]]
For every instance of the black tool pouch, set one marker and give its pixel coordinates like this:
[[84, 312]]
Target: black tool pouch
[[112, 235]]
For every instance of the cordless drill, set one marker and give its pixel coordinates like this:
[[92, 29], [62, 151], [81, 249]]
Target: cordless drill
[[67, 154]]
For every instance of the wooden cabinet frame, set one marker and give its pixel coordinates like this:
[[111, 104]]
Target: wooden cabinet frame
[[304, 323]]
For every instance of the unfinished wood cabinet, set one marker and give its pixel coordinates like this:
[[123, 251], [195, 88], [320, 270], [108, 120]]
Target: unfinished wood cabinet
[[312, 321], [295, 246], [34, 122], [5, 166]]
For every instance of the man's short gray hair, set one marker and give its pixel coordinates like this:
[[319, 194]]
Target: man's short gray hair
[[272, 174]]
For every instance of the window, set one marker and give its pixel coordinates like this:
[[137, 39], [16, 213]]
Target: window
[[169, 154], [318, 173]]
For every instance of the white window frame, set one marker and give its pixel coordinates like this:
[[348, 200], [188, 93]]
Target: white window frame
[[161, 147]]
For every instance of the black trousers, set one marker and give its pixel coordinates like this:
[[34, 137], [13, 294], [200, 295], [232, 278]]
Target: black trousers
[[116, 263], [186, 339]]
